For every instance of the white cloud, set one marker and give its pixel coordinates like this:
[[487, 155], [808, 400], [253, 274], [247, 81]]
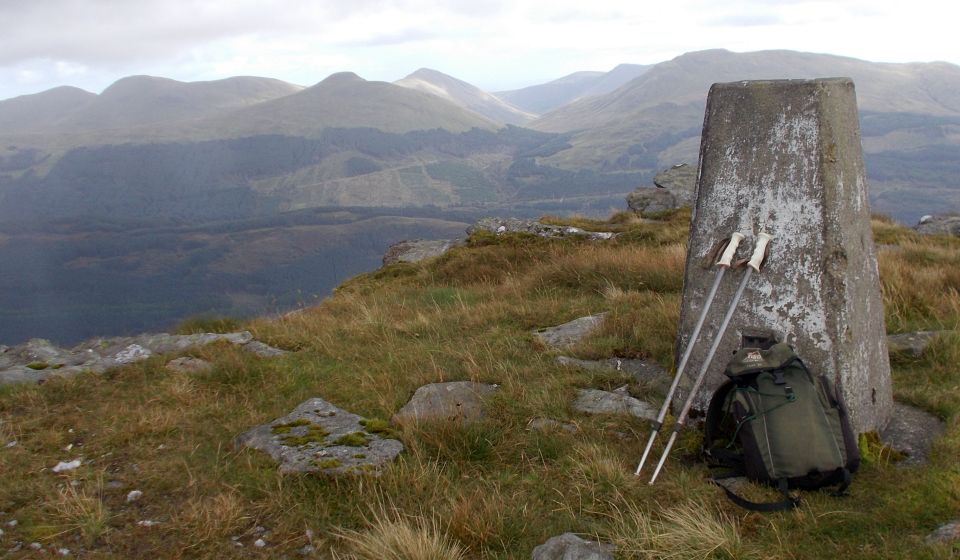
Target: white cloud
[[493, 43]]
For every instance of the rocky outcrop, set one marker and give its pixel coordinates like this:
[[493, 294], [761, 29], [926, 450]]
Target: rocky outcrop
[[533, 227], [680, 181], [674, 189], [418, 250], [939, 225], [459, 401], [571, 547], [320, 437], [642, 370], [38, 359]]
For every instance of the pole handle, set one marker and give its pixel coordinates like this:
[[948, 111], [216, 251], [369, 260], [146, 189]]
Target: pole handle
[[727, 257], [759, 251]]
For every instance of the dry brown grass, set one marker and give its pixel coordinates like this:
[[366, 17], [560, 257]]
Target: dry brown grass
[[211, 518], [393, 535], [75, 510]]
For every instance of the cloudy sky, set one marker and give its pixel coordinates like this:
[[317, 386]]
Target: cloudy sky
[[494, 44]]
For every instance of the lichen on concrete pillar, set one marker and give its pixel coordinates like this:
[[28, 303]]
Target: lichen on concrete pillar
[[784, 157]]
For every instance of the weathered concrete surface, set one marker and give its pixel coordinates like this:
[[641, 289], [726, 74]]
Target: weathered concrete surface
[[784, 157]]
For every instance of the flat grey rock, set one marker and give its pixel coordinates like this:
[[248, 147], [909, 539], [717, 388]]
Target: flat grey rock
[[569, 333], [188, 365], [945, 534], [412, 251], [914, 343], [595, 401], [262, 349], [640, 369], [569, 546], [911, 431], [309, 439], [541, 424], [460, 401]]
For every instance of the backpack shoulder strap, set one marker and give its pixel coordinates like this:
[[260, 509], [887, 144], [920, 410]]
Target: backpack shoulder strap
[[788, 502]]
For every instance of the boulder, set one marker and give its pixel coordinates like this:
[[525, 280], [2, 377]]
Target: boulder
[[320, 437], [569, 333], [418, 250], [595, 401], [939, 225], [646, 200], [680, 181], [914, 343], [912, 432], [459, 401], [571, 547], [784, 157]]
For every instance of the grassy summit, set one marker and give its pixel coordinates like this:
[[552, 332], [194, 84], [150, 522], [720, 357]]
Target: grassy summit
[[490, 490]]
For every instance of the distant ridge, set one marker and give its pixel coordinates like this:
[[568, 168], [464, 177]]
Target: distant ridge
[[39, 111], [546, 97], [465, 95]]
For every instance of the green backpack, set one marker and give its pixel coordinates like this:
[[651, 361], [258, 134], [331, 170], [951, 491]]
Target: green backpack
[[776, 423]]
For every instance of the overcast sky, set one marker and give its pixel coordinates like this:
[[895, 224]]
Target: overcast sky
[[494, 44]]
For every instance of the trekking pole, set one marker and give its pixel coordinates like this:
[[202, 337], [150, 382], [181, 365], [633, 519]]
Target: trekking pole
[[724, 263], [756, 261]]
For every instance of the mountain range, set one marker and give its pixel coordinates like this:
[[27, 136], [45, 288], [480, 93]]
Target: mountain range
[[181, 160]]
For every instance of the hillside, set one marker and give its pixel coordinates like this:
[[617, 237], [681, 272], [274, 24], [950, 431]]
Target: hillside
[[465, 95], [910, 115], [136, 101], [493, 489], [543, 98]]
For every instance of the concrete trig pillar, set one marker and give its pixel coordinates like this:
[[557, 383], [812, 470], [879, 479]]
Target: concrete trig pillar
[[784, 157]]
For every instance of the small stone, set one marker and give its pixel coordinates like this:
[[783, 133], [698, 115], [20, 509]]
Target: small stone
[[307, 550], [134, 495], [258, 530], [540, 424], [12, 523], [68, 447], [259, 543], [63, 551], [456, 400], [235, 538], [148, 523], [11, 444], [75, 483], [595, 401], [35, 546]]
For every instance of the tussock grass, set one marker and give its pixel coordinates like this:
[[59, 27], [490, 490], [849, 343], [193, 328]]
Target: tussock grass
[[489, 490], [398, 536], [76, 510]]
